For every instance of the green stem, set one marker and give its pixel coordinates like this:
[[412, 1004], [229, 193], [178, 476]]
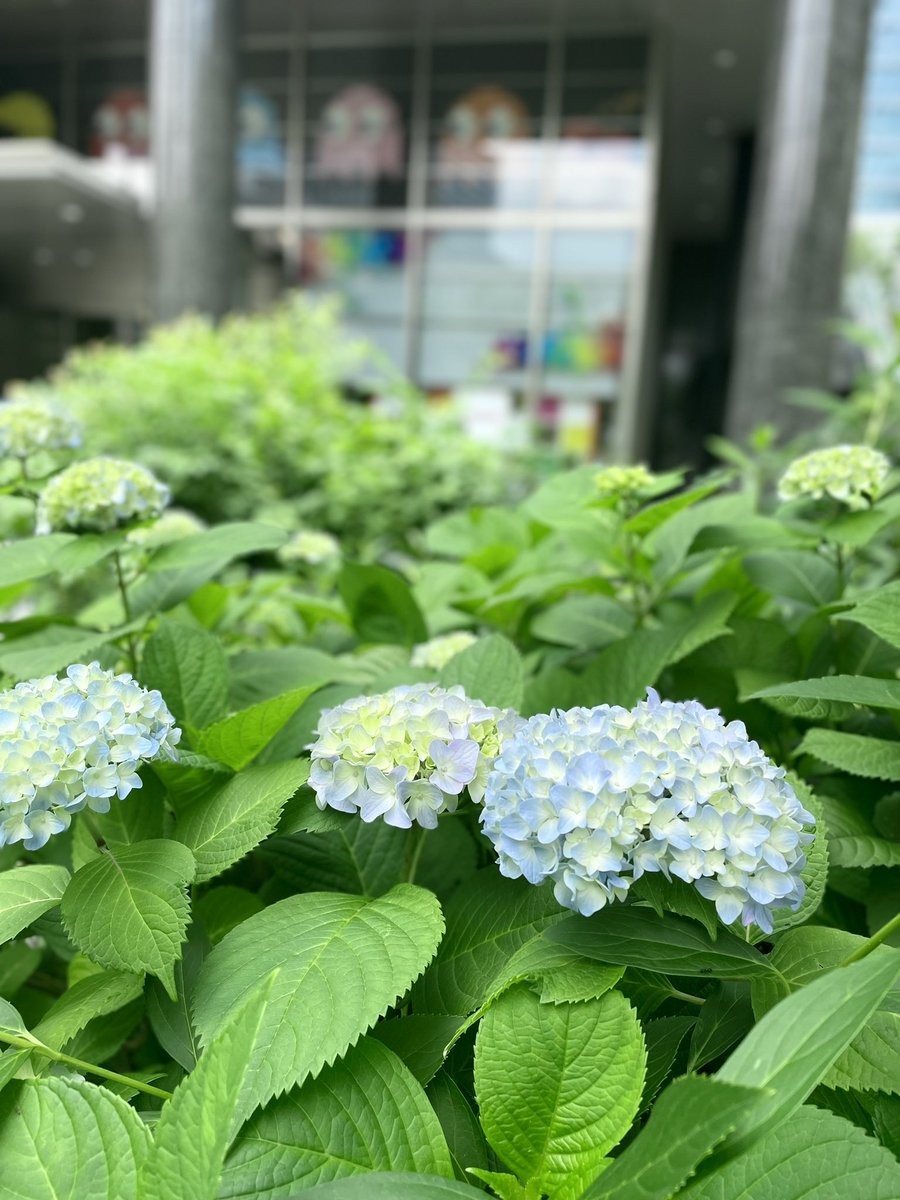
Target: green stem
[[126, 609], [85, 1068], [698, 1000], [414, 848], [874, 941]]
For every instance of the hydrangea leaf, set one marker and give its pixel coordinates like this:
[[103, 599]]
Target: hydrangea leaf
[[461, 1126], [364, 1113], [222, 908], [171, 1020], [879, 613], [128, 909], [188, 665], [31, 558], [800, 575], [68, 1138], [690, 1118], [26, 893], [663, 1038], [344, 960], [381, 605], [490, 670], [368, 859], [96, 995], [726, 1016], [558, 1085], [846, 689], [236, 740], [814, 1156], [51, 649], [868, 757], [221, 828], [420, 1040], [394, 1185]]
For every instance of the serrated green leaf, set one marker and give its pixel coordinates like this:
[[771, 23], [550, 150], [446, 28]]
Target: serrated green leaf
[[95, 996], [462, 1129], [128, 909], [31, 558], [222, 908], [170, 1019], [800, 575], [847, 689], [726, 1016], [558, 1085], [238, 739], [365, 1113], [17, 963], [674, 895], [28, 892], [879, 613], [869, 757], [344, 960], [586, 622], [394, 1186], [259, 674], [688, 1121], [419, 1039], [863, 851], [368, 859], [138, 818], [814, 1156], [663, 1038], [381, 605], [490, 670], [219, 829], [50, 650], [188, 666], [67, 1138]]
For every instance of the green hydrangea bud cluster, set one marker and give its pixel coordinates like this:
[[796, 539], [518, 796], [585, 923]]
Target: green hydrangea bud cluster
[[854, 475], [310, 546], [624, 482], [437, 652], [30, 425], [172, 526], [99, 495]]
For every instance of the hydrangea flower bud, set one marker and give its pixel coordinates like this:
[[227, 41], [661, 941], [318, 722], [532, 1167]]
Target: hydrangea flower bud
[[406, 755], [437, 652], [74, 743], [99, 495], [310, 546], [172, 526], [854, 475], [30, 425], [593, 798], [624, 482]]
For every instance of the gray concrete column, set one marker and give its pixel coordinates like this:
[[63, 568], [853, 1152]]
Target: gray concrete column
[[803, 182], [193, 80]]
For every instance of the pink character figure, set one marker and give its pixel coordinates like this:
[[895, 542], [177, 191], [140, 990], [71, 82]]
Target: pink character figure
[[360, 135], [120, 127]]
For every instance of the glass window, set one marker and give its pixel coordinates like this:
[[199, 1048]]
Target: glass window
[[476, 301], [260, 152], [366, 268], [357, 135], [486, 110]]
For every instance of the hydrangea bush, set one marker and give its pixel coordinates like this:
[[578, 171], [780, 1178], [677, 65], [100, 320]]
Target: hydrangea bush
[[34, 425], [854, 475], [591, 899]]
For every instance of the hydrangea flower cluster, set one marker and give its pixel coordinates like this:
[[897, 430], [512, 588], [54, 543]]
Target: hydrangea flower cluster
[[99, 495], [30, 425], [74, 743], [593, 798], [172, 526], [854, 475], [437, 652], [310, 546], [406, 755], [624, 482]]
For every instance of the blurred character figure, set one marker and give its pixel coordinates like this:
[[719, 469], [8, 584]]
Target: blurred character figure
[[360, 136], [120, 127], [260, 151], [484, 115], [23, 114]]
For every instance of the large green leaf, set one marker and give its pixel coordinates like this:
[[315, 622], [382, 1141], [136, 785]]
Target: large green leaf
[[219, 829], [688, 1121], [462, 1129], [395, 1186], [94, 996], [487, 921], [50, 650], [585, 622], [639, 937], [64, 1139], [344, 960], [879, 613], [189, 667], [558, 1085], [364, 1113], [869, 757], [26, 893], [420, 1039], [128, 909], [381, 605], [726, 1016], [489, 670], [846, 689], [358, 857], [800, 575], [814, 1156], [171, 1019], [31, 558], [236, 740]]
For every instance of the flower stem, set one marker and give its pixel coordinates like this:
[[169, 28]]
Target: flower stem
[[414, 847], [86, 1068], [874, 941], [698, 1000]]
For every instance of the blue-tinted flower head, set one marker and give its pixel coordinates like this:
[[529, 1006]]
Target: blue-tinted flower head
[[855, 475], [99, 495], [30, 425], [406, 755], [437, 652], [594, 798], [67, 744]]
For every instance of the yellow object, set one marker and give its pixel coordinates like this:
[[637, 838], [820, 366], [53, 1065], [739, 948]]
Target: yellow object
[[23, 114]]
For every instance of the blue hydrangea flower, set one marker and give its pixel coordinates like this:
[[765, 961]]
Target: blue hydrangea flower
[[855, 475], [29, 425], [99, 495], [74, 743], [437, 652], [594, 798], [406, 755]]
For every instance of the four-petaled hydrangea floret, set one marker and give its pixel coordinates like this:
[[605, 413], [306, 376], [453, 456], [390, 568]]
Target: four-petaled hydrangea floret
[[625, 482], [74, 743], [406, 755], [310, 546], [594, 798], [854, 475], [29, 426], [437, 652], [99, 495]]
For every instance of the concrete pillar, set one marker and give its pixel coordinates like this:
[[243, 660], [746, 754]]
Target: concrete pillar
[[803, 181], [193, 80]]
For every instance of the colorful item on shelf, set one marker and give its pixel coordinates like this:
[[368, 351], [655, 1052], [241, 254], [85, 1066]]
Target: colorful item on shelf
[[327, 256], [260, 149], [585, 350], [511, 351], [120, 126], [26, 115], [360, 135], [483, 115]]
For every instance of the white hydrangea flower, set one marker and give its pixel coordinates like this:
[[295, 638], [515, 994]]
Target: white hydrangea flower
[[67, 744], [406, 755], [593, 798], [437, 652], [99, 495], [30, 425], [310, 546], [172, 526], [626, 482], [854, 475]]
